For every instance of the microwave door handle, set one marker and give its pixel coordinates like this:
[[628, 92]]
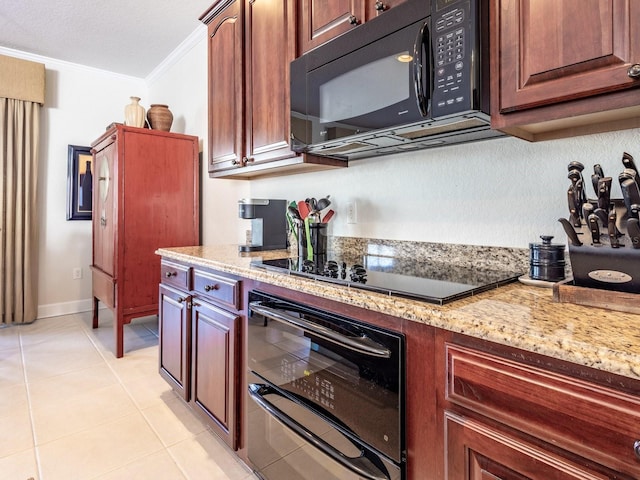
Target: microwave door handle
[[361, 465], [356, 344], [420, 46]]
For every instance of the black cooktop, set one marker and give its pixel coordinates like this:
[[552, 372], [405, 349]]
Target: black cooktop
[[434, 282]]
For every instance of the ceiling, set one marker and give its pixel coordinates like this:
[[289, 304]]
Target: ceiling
[[122, 36]]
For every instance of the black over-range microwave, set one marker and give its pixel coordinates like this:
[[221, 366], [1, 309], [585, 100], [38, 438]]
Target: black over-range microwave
[[416, 76]]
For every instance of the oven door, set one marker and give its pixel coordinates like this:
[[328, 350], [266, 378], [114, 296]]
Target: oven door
[[289, 440], [316, 377]]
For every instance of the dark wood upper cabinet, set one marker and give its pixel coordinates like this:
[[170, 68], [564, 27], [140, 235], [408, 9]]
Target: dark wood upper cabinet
[[251, 43], [226, 101], [558, 60], [322, 20]]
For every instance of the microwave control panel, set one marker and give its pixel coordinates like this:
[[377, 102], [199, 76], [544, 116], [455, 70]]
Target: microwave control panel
[[452, 37]]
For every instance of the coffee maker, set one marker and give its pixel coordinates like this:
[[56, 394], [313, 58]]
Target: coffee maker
[[268, 223]]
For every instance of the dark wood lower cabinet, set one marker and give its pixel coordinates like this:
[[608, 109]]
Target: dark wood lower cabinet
[[214, 367], [175, 339], [475, 410], [476, 451], [199, 329]]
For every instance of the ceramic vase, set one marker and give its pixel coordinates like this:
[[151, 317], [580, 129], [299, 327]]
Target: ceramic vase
[[134, 113], [160, 117]]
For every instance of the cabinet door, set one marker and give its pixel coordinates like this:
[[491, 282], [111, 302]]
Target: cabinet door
[[378, 7], [174, 328], [553, 51], [270, 47], [476, 451], [104, 220], [215, 370], [322, 20], [225, 89]]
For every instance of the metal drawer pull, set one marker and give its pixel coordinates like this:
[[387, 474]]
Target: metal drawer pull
[[208, 288], [171, 274], [636, 449], [634, 71], [357, 344], [361, 466]]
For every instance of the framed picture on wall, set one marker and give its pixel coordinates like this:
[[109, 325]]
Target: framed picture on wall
[[79, 183]]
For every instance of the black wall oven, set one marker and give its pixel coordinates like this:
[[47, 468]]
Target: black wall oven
[[326, 395]]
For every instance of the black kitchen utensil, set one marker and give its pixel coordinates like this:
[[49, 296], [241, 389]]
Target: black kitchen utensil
[[627, 161], [570, 231], [574, 216], [630, 193], [592, 221], [587, 209], [604, 193], [633, 230], [612, 230]]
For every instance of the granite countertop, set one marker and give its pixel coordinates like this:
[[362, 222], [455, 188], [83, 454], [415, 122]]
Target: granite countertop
[[517, 315]]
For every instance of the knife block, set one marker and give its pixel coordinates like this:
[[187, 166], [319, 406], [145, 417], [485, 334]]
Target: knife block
[[606, 268]]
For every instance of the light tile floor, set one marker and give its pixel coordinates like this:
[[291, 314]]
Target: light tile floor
[[70, 410]]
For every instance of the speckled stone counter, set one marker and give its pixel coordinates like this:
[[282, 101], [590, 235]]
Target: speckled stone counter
[[516, 315]]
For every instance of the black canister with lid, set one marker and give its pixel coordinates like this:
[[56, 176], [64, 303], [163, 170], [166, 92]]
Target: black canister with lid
[[546, 260]]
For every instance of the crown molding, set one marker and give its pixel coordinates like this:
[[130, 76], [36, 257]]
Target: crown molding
[[52, 63], [174, 57]]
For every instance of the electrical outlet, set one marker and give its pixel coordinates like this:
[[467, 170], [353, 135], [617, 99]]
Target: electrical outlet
[[77, 273], [352, 212]]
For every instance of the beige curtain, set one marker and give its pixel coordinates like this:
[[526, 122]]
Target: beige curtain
[[19, 133]]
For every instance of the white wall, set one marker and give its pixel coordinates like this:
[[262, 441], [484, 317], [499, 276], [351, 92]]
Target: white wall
[[504, 192]]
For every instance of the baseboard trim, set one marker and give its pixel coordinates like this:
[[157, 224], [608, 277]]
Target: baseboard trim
[[66, 308]]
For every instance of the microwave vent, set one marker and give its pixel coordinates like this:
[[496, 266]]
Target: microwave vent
[[437, 129]]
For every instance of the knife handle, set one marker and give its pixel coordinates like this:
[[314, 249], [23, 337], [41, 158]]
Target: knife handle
[[633, 230], [587, 209], [574, 216], [597, 169], [627, 161], [595, 229], [571, 232], [604, 193], [612, 230], [595, 178]]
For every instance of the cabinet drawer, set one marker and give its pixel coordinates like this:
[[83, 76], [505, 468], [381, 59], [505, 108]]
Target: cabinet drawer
[[216, 287], [175, 274], [593, 421]]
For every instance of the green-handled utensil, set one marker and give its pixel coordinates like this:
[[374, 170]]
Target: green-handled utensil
[[308, 234]]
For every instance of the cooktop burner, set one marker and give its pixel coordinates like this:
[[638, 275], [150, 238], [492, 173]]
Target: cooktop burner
[[437, 283]]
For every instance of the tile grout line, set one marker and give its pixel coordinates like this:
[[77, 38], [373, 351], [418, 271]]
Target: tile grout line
[[133, 400], [36, 452]]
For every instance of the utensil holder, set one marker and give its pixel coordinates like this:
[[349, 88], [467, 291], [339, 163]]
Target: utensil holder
[[316, 245], [602, 266]]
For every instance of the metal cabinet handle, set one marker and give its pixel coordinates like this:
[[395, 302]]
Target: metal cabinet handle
[[634, 71], [208, 288], [246, 160], [181, 299], [380, 7], [636, 449], [353, 20], [171, 274]]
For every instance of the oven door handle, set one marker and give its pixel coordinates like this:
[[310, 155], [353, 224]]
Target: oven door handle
[[361, 465], [357, 344], [421, 44]]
